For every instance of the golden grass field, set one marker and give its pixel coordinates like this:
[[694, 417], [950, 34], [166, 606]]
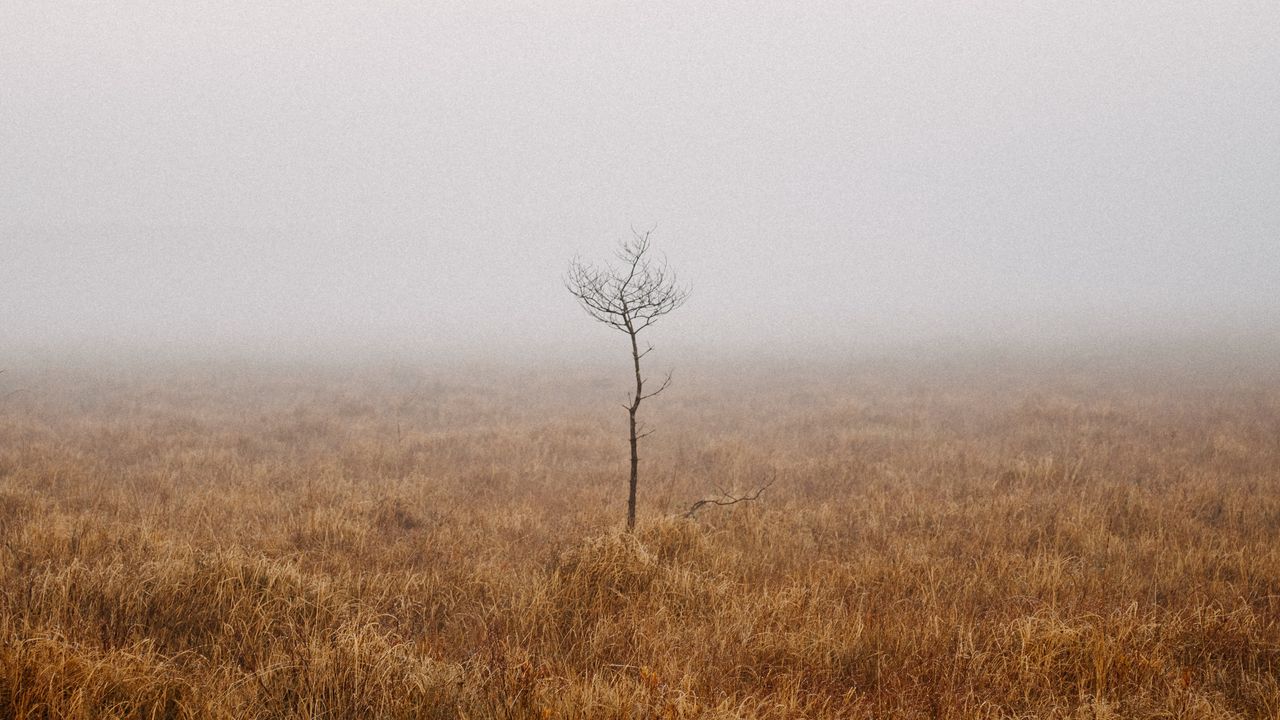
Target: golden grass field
[[1030, 540]]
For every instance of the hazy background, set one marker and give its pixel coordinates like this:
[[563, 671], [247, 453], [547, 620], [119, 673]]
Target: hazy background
[[358, 177]]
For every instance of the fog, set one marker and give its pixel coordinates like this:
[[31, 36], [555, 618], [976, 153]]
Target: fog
[[356, 177]]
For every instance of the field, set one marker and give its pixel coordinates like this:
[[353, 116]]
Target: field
[[1028, 539]]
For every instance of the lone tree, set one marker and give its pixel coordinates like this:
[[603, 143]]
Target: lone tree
[[629, 297]]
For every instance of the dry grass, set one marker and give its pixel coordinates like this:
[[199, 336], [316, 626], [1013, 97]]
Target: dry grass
[[239, 543]]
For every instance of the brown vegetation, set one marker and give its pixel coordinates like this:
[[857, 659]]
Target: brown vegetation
[[233, 543]]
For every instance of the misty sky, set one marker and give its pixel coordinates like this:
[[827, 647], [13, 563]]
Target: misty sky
[[273, 175]]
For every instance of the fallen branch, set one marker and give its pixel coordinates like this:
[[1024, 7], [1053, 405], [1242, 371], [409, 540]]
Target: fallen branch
[[726, 499]]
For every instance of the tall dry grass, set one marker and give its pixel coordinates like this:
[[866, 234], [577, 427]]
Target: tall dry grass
[[241, 543]]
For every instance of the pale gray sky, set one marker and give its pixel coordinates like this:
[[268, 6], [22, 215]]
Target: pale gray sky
[[286, 174]]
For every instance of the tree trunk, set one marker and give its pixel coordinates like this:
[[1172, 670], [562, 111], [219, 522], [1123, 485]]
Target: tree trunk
[[635, 467], [631, 412]]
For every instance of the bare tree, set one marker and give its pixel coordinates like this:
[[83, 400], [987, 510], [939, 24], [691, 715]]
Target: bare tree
[[629, 297]]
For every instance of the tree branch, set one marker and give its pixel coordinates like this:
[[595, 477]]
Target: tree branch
[[665, 384], [726, 499]]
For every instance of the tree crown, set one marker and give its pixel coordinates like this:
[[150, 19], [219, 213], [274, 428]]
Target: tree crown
[[632, 295]]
